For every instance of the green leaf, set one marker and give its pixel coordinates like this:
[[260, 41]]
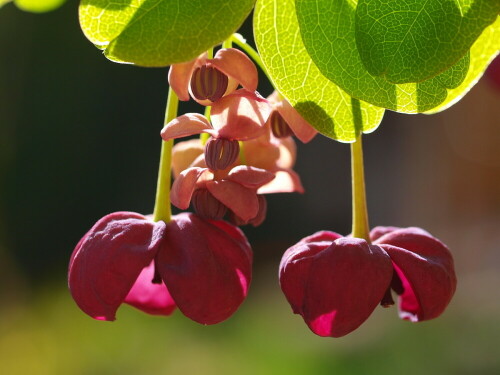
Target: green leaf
[[160, 32], [484, 51], [322, 103], [335, 53], [408, 41], [38, 6]]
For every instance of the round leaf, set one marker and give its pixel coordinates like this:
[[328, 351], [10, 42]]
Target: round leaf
[[160, 32], [322, 103]]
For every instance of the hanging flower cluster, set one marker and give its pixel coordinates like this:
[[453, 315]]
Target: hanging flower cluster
[[203, 265], [336, 282], [196, 262], [249, 152]]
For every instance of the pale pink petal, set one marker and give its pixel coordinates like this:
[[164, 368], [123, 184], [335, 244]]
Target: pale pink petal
[[184, 185], [288, 153], [239, 199], [185, 125], [300, 127], [152, 298], [260, 154], [179, 76], [286, 181], [184, 154], [240, 115], [237, 65], [250, 177]]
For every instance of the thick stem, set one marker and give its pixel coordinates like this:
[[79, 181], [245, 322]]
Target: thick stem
[[162, 210], [360, 227]]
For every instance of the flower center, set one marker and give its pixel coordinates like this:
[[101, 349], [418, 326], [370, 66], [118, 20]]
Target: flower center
[[279, 126], [206, 205], [220, 153], [209, 83]]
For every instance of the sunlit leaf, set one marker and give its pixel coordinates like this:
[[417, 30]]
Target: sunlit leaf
[[322, 103], [38, 6], [484, 51], [412, 40], [335, 53], [159, 32]]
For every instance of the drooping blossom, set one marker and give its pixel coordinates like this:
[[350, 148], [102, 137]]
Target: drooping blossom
[[285, 120], [208, 80], [238, 116], [336, 282], [126, 257]]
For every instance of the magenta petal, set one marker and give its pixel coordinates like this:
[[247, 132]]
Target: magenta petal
[[152, 298], [339, 285], [241, 200], [185, 125], [237, 65], [207, 269], [240, 115], [184, 185], [107, 261], [425, 267]]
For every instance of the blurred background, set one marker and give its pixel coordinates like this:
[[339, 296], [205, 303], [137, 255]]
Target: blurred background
[[79, 138]]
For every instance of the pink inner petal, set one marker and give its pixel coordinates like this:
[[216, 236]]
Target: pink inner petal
[[239, 199], [250, 177], [185, 125], [286, 181], [184, 185], [300, 127], [237, 65], [149, 297]]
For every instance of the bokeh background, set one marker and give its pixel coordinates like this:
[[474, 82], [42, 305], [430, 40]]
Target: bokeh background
[[79, 138]]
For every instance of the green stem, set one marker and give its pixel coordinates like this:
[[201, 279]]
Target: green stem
[[240, 42], [162, 210], [227, 43], [360, 227]]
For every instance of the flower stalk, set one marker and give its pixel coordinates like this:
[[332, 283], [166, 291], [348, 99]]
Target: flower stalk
[[360, 227], [162, 210]]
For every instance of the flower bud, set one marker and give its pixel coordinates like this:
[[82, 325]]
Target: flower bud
[[206, 205], [279, 126], [220, 153], [209, 83]]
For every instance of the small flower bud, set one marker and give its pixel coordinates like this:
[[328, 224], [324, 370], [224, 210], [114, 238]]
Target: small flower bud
[[209, 83], [279, 126], [220, 153], [206, 205]]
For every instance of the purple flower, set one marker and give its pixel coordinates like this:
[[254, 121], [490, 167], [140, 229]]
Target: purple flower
[[336, 282], [126, 257]]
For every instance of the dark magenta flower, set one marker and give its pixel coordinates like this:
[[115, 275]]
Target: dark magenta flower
[[336, 282], [126, 257]]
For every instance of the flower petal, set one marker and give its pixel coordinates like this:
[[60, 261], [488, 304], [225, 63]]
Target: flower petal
[[300, 127], [184, 185], [240, 115], [184, 154], [250, 177], [425, 267], [207, 269], [152, 298], [179, 76], [239, 199], [286, 181], [107, 261], [185, 125], [237, 65], [346, 282]]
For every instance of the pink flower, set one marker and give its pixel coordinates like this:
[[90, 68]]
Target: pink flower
[[207, 80], [285, 120], [238, 116], [126, 257], [336, 282]]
